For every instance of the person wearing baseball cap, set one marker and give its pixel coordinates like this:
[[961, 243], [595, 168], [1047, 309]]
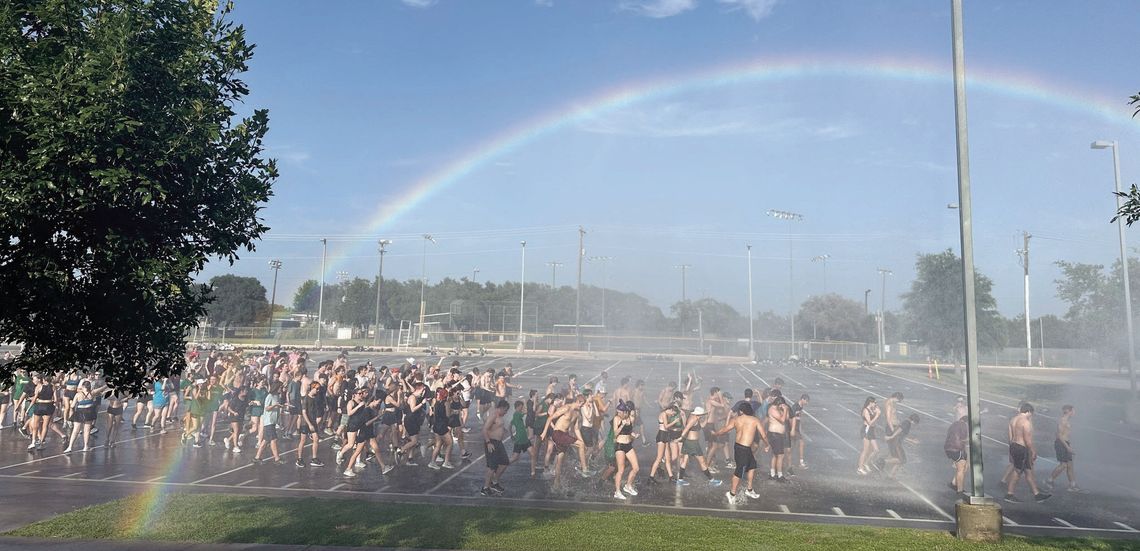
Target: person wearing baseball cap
[[691, 447]]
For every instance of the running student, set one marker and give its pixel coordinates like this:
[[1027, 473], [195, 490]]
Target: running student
[[624, 454], [691, 447], [522, 443], [895, 444], [746, 426], [1064, 450], [796, 436], [1023, 453], [956, 447], [497, 460]]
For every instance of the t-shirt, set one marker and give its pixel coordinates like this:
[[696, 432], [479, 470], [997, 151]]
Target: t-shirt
[[956, 436], [217, 393], [308, 407], [269, 416], [519, 424], [903, 430]]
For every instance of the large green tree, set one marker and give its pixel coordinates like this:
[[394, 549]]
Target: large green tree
[[237, 301], [831, 317], [123, 169], [934, 306]]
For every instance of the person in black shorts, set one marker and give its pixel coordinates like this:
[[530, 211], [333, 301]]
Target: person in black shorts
[[440, 426], [497, 460], [746, 426], [308, 426]]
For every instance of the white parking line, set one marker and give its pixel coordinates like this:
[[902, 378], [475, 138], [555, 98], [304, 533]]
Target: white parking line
[[1126, 527], [70, 475], [337, 487], [1063, 522], [525, 371], [113, 477], [784, 509], [460, 471], [27, 473], [290, 485], [45, 458], [248, 465], [785, 375], [250, 481], [893, 514], [838, 511], [1008, 521], [599, 375], [157, 478]]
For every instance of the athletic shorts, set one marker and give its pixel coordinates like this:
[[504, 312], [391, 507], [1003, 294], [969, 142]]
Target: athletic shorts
[[619, 447], [744, 459], [305, 429], [563, 440], [83, 415], [43, 409], [867, 433], [69, 394], [114, 411], [711, 436], [521, 447], [269, 432], [412, 425], [691, 447], [441, 429], [389, 418], [1063, 453], [776, 441], [366, 432], [5, 399], [664, 436], [956, 455], [1020, 456], [497, 457], [454, 421]]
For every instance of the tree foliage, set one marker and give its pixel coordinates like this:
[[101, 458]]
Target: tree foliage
[[123, 168], [934, 307], [832, 317], [1096, 303], [237, 301]]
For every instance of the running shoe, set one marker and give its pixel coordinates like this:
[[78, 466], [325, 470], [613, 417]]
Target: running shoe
[[629, 490], [1041, 496], [213, 444], [411, 463], [486, 492], [387, 469], [803, 465], [361, 464], [349, 473], [715, 482], [316, 463], [751, 494], [447, 465], [336, 445], [236, 449], [68, 450], [618, 495], [433, 466], [147, 426], [94, 430], [781, 479], [466, 429], [1010, 498], [682, 482], [466, 455], [197, 444], [731, 498], [498, 488], [300, 463]]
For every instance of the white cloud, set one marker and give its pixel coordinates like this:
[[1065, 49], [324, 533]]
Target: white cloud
[[756, 9], [658, 8], [420, 3], [288, 154], [544, 3]]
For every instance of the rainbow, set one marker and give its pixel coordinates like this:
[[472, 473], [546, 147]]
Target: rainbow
[[139, 520], [1004, 82]]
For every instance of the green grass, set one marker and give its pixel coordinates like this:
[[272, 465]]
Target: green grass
[[206, 518]]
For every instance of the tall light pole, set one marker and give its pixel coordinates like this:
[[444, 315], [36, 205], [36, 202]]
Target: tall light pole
[[274, 265], [751, 312], [474, 274], [866, 299], [321, 299], [789, 217], [522, 296], [882, 313], [1023, 255], [341, 276], [823, 260], [1123, 263], [379, 284], [684, 299], [554, 273], [423, 282], [578, 295], [604, 260]]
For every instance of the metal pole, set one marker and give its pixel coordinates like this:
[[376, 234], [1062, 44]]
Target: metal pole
[[1124, 268], [522, 296], [1041, 339], [882, 314], [276, 265], [866, 301], [965, 221], [321, 299], [423, 283], [751, 314], [791, 293], [379, 284], [1024, 253], [578, 295], [681, 314]]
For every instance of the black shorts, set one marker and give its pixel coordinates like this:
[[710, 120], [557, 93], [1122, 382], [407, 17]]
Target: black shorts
[[305, 429], [440, 429], [453, 421], [389, 418], [868, 433], [589, 436], [69, 394], [1020, 456], [744, 459], [293, 410], [497, 457], [1063, 453], [521, 447], [619, 447], [83, 415], [776, 441], [485, 397], [412, 426], [45, 410], [269, 432], [956, 455], [711, 436], [366, 432], [114, 411], [145, 398]]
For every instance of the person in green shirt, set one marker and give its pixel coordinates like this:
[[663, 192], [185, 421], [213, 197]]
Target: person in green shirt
[[217, 393], [257, 407], [521, 437]]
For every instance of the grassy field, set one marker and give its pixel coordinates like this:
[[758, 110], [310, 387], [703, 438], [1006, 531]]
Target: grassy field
[[239, 519]]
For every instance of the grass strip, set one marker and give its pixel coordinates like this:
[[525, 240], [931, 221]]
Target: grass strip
[[206, 518]]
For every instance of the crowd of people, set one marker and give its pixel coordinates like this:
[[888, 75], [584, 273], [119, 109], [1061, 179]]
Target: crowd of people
[[424, 414]]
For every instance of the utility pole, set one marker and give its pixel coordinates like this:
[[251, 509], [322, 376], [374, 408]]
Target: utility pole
[[321, 299], [823, 259], [423, 283], [522, 297], [379, 284], [554, 273], [474, 274], [866, 302], [274, 265], [882, 314], [1024, 254], [683, 268], [578, 295], [751, 312]]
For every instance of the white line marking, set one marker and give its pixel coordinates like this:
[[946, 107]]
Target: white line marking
[[290, 485], [248, 465], [45, 458], [27, 473], [538, 366], [114, 476], [70, 475], [1008, 521], [157, 478], [250, 481], [460, 471], [1126, 527], [1063, 522], [893, 514], [599, 375], [838, 511], [337, 487], [784, 509], [785, 375], [384, 488]]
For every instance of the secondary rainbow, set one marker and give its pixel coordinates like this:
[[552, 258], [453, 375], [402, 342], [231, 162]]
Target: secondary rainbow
[[1003, 82]]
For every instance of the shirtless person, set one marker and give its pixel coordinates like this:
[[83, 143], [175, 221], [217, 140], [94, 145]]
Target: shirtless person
[[777, 437], [1065, 451], [1023, 453], [746, 426], [497, 460], [558, 429], [718, 408]]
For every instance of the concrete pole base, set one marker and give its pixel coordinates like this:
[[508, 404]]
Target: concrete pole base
[[980, 522]]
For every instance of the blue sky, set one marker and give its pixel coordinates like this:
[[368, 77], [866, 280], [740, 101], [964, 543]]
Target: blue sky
[[368, 98]]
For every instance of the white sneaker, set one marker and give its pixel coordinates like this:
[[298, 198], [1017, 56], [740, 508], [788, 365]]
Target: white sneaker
[[433, 466], [349, 473], [68, 450], [619, 495], [226, 441], [731, 498], [629, 490], [360, 464], [236, 450], [448, 465], [751, 494]]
